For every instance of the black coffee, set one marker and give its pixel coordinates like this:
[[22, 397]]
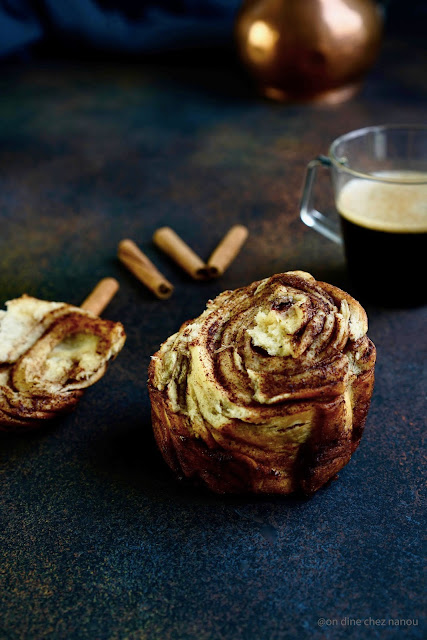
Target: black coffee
[[387, 268], [384, 226]]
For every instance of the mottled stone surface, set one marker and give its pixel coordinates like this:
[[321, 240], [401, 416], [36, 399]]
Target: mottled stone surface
[[99, 541]]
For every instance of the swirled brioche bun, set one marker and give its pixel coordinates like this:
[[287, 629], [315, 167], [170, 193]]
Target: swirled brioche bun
[[49, 353], [268, 390]]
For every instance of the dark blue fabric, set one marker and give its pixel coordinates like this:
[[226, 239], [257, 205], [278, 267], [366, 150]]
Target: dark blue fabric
[[145, 26], [130, 26]]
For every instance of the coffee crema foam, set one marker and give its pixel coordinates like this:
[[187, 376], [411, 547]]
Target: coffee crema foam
[[397, 207]]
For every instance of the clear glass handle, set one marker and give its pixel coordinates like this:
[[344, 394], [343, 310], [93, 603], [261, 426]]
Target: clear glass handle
[[309, 215]]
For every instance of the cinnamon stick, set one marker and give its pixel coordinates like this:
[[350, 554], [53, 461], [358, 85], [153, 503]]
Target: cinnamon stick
[[142, 267], [100, 297], [227, 250], [171, 244]]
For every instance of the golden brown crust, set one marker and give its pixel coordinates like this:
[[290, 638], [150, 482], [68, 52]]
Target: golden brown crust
[[49, 353], [268, 390]]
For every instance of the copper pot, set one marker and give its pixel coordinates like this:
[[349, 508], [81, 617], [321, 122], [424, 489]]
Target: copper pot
[[302, 50]]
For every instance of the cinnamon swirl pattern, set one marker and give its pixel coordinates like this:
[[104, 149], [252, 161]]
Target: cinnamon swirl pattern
[[268, 390], [49, 353]]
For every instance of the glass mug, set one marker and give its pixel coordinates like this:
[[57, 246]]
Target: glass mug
[[379, 177]]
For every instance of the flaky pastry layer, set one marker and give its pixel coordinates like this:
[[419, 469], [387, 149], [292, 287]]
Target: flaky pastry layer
[[49, 353], [268, 390]]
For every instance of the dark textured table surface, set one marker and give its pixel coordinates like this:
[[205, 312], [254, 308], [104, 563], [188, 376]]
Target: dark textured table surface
[[99, 541]]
